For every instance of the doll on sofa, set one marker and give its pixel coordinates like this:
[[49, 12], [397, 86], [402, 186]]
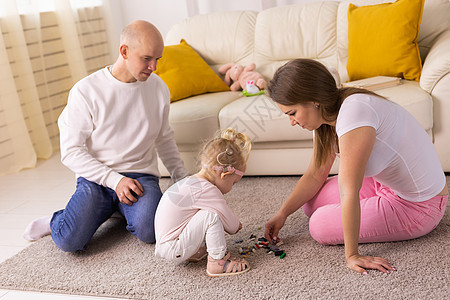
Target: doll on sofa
[[239, 78]]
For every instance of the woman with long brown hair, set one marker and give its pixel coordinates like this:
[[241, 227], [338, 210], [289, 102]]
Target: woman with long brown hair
[[390, 185]]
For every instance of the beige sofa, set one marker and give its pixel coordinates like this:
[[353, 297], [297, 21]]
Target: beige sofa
[[270, 38]]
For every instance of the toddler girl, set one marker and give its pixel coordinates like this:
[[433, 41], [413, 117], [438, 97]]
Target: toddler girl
[[193, 210]]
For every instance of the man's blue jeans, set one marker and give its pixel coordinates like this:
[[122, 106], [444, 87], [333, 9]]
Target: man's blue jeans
[[92, 204]]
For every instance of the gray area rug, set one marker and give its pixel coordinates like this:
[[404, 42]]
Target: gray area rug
[[116, 264]]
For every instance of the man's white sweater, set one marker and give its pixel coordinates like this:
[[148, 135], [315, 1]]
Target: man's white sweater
[[110, 127]]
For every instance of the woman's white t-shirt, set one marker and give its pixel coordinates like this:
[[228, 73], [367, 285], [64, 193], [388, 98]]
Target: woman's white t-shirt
[[403, 156]]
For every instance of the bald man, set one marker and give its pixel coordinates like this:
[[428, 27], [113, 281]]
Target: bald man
[[114, 125]]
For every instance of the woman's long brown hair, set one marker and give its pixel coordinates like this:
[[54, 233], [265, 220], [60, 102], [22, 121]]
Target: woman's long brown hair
[[305, 80]]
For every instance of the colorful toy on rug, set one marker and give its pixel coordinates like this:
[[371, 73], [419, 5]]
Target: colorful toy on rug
[[258, 243], [243, 78]]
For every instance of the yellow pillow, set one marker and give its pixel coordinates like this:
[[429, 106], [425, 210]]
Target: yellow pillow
[[382, 40], [186, 73]]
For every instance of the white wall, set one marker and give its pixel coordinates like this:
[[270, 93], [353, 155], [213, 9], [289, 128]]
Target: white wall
[[162, 13], [165, 13]]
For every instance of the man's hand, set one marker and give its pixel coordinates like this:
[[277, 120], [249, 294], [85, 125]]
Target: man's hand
[[127, 189]]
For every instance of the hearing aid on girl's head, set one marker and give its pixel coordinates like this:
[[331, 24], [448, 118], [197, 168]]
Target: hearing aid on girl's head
[[226, 168], [228, 152]]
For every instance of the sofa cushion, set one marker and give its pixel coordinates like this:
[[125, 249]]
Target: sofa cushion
[[302, 30], [186, 73], [194, 120], [219, 38], [382, 40], [414, 99], [261, 119]]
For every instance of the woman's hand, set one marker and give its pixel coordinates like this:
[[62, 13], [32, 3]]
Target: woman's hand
[[360, 263], [273, 226]]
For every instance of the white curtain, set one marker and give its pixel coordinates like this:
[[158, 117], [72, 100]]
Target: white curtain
[[42, 54]]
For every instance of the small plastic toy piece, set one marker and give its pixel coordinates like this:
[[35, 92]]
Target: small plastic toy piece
[[247, 94], [262, 242], [278, 252], [273, 247]]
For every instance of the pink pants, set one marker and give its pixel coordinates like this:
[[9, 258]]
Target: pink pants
[[385, 217]]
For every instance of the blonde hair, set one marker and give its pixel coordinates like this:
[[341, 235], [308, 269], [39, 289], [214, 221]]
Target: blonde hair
[[235, 145]]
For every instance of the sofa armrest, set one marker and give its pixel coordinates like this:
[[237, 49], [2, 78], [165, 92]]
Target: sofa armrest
[[435, 80], [437, 63]]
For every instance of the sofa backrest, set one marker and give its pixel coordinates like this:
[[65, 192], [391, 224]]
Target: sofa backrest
[[219, 38], [302, 30], [270, 38], [435, 20]]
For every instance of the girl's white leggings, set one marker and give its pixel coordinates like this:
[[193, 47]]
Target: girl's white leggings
[[205, 226]]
